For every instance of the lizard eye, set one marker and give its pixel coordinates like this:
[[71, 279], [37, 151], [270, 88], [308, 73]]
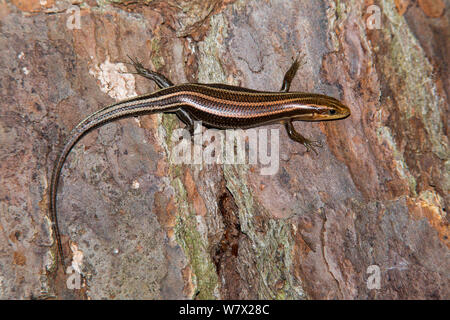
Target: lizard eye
[[331, 112]]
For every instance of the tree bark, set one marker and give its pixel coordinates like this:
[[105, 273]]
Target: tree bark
[[364, 219]]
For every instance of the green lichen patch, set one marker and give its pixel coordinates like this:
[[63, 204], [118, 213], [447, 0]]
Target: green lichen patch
[[273, 246], [188, 224], [408, 68], [194, 245]]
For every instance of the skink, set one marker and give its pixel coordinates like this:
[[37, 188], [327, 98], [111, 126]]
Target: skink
[[215, 105]]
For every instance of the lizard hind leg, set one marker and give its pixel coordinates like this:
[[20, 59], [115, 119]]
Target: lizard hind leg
[[158, 78], [163, 82]]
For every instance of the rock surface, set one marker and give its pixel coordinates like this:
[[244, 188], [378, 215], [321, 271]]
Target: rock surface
[[370, 206]]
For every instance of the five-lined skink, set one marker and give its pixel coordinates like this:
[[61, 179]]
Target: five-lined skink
[[216, 105]]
